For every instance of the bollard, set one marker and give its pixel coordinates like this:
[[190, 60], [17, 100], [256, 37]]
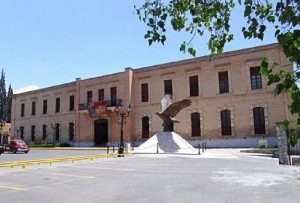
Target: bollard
[[113, 148], [107, 149], [157, 148], [199, 149], [205, 146], [202, 147]]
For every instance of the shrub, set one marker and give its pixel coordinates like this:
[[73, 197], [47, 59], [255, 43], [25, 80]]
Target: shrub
[[262, 144], [64, 144]]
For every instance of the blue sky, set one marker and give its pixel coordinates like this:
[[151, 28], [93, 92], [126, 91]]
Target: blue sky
[[45, 43]]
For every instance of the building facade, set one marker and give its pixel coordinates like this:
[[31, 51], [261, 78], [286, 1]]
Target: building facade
[[232, 106]]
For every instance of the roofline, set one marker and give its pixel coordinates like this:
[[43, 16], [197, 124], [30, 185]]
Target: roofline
[[208, 57], [166, 65]]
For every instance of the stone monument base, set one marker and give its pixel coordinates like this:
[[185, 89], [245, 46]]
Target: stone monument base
[[166, 142]]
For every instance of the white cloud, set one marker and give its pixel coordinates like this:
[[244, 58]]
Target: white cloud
[[26, 89]]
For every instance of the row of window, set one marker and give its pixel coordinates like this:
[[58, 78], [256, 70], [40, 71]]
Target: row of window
[[45, 106], [45, 134], [226, 129], [113, 94], [255, 77]]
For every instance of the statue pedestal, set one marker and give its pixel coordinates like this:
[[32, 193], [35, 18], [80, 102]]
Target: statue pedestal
[[166, 142]]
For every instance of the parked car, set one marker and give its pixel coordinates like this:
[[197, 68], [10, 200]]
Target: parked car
[[16, 146], [1, 149]]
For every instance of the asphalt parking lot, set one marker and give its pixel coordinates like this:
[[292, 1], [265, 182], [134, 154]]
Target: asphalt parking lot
[[218, 175]]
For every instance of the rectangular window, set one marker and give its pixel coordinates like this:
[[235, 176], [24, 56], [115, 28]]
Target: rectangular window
[[101, 95], [113, 96], [44, 132], [226, 122], [144, 92], [71, 131], [168, 87], [72, 102], [196, 130], [45, 106], [194, 86], [57, 132], [145, 127], [22, 110], [223, 82], [57, 105], [259, 120], [89, 96], [22, 129], [33, 108], [255, 76], [32, 133]]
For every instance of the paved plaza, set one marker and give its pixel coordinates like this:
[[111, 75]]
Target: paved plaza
[[218, 175]]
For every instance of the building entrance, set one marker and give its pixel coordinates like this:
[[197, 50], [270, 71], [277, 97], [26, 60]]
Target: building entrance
[[101, 131]]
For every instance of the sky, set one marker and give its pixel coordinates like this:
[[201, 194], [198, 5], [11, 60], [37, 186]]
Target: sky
[[45, 43]]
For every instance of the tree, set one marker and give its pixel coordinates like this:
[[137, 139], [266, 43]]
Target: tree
[[5, 100], [10, 94], [2, 96], [198, 17]]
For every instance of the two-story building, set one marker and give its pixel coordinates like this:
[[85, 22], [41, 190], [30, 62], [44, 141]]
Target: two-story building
[[232, 106]]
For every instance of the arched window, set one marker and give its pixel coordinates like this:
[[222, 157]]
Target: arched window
[[225, 122], [195, 120], [145, 127], [259, 120]]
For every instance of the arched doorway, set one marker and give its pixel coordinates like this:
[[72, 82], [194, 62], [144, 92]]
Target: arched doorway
[[101, 131]]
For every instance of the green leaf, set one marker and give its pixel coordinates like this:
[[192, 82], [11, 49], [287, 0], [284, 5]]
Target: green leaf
[[285, 125], [247, 11], [279, 88]]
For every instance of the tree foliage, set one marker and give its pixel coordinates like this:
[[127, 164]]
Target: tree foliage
[[198, 17], [5, 100]]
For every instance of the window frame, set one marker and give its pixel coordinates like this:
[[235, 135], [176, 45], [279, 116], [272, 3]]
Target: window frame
[[168, 87], [145, 127], [33, 108], [89, 96], [145, 92], [223, 79], [256, 81], [45, 106], [44, 132], [101, 94], [195, 124], [226, 127], [259, 123], [22, 109], [57, 104], [194, 85], [71, 131], [71, 102], [32, 133]]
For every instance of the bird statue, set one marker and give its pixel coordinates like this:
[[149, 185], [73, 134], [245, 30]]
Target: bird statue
[[169, 111]]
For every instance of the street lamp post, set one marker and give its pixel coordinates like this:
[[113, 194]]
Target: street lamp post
[[122, 115]]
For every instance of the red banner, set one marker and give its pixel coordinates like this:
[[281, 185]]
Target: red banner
[[97, 109]]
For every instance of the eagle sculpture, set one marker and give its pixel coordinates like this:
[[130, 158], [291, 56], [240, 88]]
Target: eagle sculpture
[[169, 111]]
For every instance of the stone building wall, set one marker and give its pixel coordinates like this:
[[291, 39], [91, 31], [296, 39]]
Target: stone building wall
[[240, 100]]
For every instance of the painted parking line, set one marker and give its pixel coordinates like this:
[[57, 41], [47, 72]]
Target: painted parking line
[[13, 188], [105, 168], [60, 174]]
